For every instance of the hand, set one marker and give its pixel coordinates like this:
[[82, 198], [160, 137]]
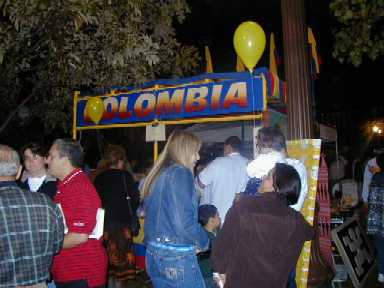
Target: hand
[[222, 277], [219, 279]]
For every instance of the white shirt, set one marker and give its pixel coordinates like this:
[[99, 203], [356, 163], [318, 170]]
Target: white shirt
[[34, 183], [367, 178], [265, 162], [302, 171], [223, 178]]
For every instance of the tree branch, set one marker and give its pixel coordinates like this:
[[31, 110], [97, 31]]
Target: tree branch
[[13, 113]]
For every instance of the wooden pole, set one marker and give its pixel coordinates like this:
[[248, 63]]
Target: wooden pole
[[299, 107], [297, 74]]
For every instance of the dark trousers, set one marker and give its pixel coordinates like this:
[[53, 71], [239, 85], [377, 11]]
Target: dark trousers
[[72, 284], [75, 284], [379, 244]]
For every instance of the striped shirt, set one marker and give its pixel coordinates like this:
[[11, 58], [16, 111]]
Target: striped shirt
[[88, 261], [31, 232]]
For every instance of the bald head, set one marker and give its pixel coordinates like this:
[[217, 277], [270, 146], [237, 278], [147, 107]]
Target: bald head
[[9, 162]]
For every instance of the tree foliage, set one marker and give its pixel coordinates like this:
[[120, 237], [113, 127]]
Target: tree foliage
[[49, 48], [360, 31]]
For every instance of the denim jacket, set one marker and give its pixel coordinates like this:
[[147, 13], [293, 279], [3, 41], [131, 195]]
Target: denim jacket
[[171, 210]]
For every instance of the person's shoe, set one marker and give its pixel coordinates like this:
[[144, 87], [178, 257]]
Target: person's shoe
[[380, 278]]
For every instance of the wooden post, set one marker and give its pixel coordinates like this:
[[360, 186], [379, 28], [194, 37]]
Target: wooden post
[[299, 106], [297, 75]]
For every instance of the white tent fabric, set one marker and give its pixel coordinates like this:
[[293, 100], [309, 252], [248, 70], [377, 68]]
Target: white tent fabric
[[219, 132]]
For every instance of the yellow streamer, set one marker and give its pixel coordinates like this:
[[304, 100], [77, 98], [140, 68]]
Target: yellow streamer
[[307, 151]]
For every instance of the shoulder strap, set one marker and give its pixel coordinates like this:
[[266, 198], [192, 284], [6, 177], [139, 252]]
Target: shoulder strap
[[127, 194]]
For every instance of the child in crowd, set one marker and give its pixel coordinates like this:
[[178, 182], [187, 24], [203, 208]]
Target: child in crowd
[[209, 218]]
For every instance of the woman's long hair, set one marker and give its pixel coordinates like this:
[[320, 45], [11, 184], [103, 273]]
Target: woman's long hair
[[287, 182], [180, 148]]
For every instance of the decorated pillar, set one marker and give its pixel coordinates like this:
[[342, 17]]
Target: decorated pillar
[[300, 122]]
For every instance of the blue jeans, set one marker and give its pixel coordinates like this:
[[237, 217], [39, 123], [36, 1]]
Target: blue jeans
[[209, 282], [379, 244], [173, 267], [292, 279]]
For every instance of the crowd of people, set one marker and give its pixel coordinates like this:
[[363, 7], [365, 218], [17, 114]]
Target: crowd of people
[[41, 238], [261, 236], [231, 223]]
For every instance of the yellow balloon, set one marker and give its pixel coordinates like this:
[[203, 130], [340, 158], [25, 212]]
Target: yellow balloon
[[95, 109], [249, 41]]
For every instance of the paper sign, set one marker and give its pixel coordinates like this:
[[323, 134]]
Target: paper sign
[[99, 227], [155, 133], [354, 248]]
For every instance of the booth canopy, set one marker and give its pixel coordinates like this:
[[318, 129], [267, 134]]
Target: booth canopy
[[218, 132]]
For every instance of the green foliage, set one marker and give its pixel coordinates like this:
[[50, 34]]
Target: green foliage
[[360, 31], [52, 47]]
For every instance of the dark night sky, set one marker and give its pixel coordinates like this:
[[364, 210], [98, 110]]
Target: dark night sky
[[339, 87]]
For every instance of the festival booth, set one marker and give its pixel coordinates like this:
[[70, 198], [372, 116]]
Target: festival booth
[[207, 98], [213, 97], [222, 97]]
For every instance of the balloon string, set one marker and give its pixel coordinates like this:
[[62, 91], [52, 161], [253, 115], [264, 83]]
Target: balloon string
[[253, 100]]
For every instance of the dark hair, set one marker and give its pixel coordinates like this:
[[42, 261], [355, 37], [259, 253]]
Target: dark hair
[[287, 182], [114, 154], [234, 142], [72, 150], [271, 137], [36, 149], [205, 213], [380, 161]]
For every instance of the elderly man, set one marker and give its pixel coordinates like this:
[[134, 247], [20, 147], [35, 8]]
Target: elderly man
[[83, 261], [31, 228], [272, 139]]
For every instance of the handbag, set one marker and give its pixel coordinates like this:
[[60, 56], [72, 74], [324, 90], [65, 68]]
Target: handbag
[[134, 224]]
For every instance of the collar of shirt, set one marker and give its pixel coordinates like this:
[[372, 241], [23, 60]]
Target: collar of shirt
[[34, 183], [70, 176], [233, 154], [8, 184], [274, 196]]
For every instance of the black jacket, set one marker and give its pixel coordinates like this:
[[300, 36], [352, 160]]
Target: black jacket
[[110, 186], [260, 242], [49, 186]]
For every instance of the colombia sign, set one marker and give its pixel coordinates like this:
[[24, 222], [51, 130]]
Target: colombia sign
[[207, 95]]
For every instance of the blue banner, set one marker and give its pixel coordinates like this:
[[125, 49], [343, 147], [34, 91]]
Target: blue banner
[[207, 95]]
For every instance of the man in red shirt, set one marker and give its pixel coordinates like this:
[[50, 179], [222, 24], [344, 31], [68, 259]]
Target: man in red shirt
[[82, 262]]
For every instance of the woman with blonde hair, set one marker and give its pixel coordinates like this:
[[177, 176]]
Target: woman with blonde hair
[[172, 233]]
